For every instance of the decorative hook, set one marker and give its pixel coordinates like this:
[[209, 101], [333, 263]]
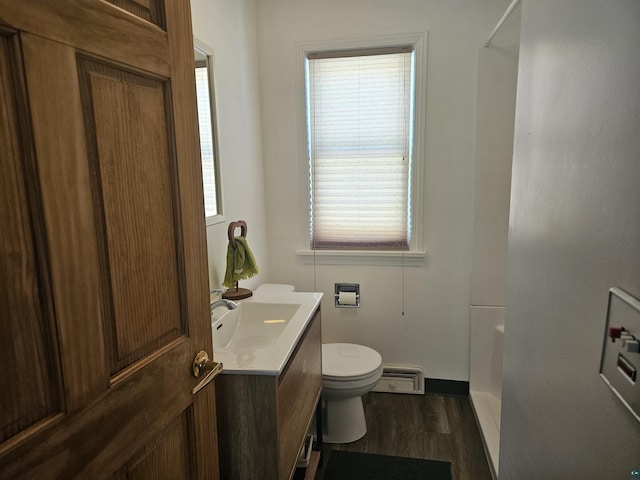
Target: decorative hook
[[242, 225]]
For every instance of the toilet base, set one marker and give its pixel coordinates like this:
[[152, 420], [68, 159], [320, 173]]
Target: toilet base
[[344, 420]]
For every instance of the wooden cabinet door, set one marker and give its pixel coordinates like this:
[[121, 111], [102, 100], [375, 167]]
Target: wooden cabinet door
[[103, 283]]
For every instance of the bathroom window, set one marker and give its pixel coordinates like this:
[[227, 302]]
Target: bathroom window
[[360, 123], [205, 95], [206, 140]]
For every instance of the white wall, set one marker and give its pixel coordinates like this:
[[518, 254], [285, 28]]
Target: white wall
[[229, 27], [434, 330], [574, 233]]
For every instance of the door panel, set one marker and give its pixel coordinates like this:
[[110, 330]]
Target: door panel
[[96, 27], [166, 456], [95, 442], [70, 233], [150, 10], [105, 291], [133, 172], [33, 391]]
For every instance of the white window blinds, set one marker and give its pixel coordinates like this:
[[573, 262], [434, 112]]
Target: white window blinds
[[359, 107], [206, 141]]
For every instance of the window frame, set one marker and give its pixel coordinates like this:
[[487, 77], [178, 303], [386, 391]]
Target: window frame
[[205, 50], [415, 255]]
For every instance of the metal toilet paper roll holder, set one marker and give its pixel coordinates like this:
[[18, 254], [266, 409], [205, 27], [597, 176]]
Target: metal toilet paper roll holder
[[349, 288]]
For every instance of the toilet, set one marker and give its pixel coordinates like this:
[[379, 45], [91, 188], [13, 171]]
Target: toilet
[[348, 372]]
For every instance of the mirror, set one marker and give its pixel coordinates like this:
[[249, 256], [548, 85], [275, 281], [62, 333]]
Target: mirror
[[207, 120]]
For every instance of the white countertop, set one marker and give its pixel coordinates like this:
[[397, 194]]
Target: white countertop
[[269, 360]]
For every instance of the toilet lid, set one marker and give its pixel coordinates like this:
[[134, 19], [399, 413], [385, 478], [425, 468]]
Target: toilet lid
[[348, 360]]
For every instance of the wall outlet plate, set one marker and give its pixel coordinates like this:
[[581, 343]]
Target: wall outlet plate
[[620, 363]]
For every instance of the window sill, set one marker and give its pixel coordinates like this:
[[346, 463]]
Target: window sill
[[410, 258], [214, 219]]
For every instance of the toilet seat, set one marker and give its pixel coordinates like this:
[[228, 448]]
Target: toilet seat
[[349, 362], [364, 382]]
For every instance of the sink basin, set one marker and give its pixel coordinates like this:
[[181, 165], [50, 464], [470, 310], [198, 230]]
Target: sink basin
[[259, 336], [252, 325]]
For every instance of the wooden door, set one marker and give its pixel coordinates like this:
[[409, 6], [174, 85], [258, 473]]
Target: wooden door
[[103, 281]]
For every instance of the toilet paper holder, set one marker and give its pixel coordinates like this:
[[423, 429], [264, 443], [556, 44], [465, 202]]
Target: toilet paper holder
[[350, 297]]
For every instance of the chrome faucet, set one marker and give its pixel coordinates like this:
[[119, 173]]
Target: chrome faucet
[[223, 302]]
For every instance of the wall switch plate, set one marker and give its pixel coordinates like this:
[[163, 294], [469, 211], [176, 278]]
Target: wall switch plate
[[620, 357]]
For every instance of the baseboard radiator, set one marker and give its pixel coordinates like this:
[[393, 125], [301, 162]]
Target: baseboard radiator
[[401, 380]]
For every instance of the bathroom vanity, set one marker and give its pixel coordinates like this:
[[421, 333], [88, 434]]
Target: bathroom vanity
[[264, 416]]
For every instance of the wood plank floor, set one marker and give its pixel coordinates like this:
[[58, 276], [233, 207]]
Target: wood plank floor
[[422, 426]]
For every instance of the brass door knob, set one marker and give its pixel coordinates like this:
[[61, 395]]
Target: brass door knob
[[202, 363]]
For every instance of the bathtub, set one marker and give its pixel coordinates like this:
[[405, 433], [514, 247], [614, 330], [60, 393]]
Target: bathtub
[[260, 335], [486, 349]]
